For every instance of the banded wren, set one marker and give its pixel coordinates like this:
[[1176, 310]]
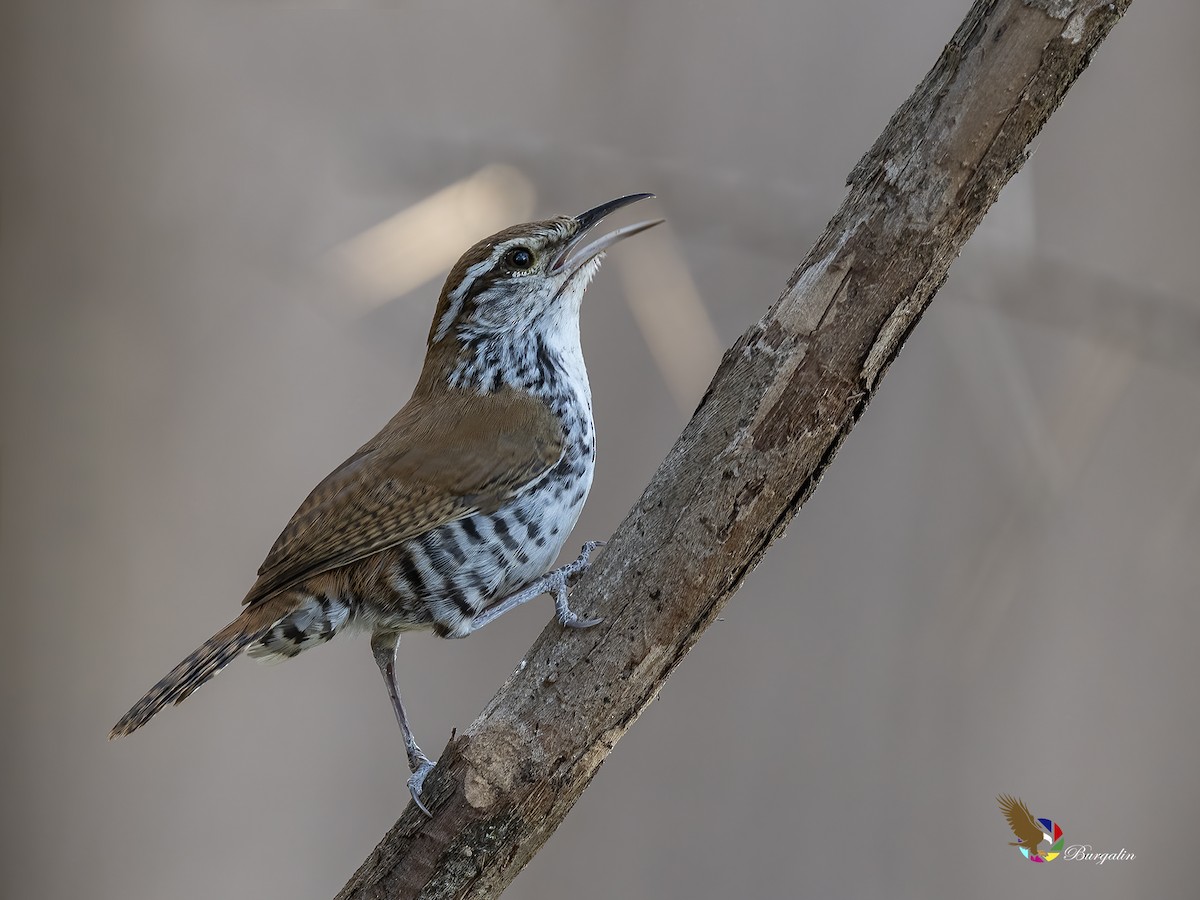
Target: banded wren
[[451, 515]]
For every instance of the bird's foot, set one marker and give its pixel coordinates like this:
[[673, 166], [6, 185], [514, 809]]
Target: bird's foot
[[581, 563], [563, 578], [415, 781], [557, 583]]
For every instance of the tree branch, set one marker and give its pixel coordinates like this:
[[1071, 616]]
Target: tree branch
[[782, 401]]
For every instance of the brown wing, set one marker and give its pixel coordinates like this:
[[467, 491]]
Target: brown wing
[[438, 460], [1020, 820]]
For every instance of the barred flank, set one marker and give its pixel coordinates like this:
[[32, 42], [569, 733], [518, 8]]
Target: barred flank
[[206, 661]]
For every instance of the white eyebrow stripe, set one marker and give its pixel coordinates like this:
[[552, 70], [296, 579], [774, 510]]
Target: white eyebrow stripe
[[458, 295]]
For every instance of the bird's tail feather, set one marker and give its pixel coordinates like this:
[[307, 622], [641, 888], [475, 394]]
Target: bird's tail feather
[[206, 661]]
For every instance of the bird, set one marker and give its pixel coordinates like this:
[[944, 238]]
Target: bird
[[1024, 827], [454, 512]]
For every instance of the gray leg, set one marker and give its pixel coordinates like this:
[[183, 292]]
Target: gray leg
[[383, 645], [555, 583]]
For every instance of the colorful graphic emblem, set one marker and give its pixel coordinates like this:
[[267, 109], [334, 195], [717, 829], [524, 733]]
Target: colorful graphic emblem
[[1031, 833]]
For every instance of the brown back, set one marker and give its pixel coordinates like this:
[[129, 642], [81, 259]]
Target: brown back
[[446, 455]]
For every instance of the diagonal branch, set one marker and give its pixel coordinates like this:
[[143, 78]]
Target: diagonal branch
[[782, 401]]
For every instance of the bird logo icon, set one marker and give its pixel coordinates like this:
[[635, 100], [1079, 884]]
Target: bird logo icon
[[1031, 833]]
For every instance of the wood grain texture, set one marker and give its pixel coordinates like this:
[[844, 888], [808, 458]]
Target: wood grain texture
[[782, 401]]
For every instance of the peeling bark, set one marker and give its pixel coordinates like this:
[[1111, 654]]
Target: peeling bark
[[782, 401]]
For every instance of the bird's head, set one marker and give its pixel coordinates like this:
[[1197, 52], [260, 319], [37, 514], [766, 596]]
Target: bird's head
[[524, 282]]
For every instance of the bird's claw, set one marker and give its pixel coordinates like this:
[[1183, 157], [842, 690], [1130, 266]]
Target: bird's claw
[[571, 619], [567, 617], [585, 553], [417, 779]]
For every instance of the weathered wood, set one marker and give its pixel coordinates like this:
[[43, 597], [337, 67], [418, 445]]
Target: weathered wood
[[782, 401]]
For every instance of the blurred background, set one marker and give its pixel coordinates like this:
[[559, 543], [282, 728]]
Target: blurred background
[[224, 230]]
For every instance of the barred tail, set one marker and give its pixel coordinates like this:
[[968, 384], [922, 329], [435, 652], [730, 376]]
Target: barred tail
[[206, 661]]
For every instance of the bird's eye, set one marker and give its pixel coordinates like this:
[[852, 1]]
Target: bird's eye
[[519, 258]]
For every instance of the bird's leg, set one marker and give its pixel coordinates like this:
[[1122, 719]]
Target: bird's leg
[[560, 580], [556, 582], [384, 645]]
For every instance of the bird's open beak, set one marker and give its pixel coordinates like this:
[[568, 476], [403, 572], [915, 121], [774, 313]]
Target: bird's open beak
[[577, 252]]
